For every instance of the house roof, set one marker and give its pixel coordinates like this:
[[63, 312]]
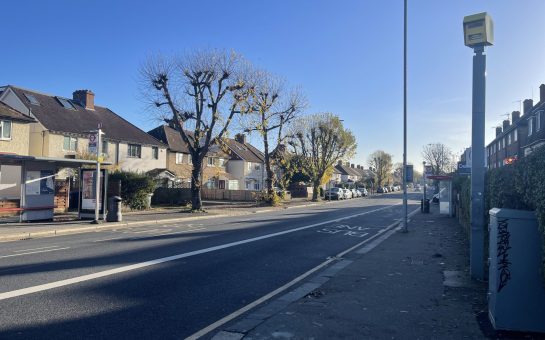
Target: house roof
[[346, 170], [171, 137], [245, 151], [7, 112], [79, 120]]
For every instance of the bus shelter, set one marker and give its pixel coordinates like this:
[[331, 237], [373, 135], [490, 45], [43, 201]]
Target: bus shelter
[[32, 179], [445, 194]]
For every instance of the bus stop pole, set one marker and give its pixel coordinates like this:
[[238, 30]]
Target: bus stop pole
[[97, 177]]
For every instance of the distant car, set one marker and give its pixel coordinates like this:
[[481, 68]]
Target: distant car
[[364, 192], [417, 187], [334, 194], [347, 193], [391, 188], [386, 190], [355, 193], [380, 190]]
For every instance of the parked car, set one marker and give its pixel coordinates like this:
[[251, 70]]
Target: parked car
[[364, 192], [334, 194], [380, 190], [355, 193], [347, 193], [385, 190]]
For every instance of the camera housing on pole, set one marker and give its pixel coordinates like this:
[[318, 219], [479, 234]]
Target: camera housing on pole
[[478, 33]]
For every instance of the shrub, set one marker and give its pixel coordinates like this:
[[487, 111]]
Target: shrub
[[135, 188]]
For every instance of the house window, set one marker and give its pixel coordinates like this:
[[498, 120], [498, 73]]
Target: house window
[[530, 126], [66, 103], [154, 152], [179, 158], [509, 139], [189, 159], [256, 186], [135, 151], [32, 99], [538, 120], [5, 129], [257, 167], [249, 166], [515, 135], [221, 161], [211, 161], [70, 143], [104, 146]]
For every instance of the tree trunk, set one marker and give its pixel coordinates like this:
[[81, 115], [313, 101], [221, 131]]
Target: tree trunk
[[196, 181], [268, 169], [316, 190]]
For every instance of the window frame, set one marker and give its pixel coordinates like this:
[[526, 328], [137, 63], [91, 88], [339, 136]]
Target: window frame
[[2, 122], [72, 140], [530, 126], [538, 120], [136, 147], [154, 152]]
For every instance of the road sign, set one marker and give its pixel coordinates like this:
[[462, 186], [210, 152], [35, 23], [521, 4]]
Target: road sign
[[428, 170], [92, 143], [409, 173]]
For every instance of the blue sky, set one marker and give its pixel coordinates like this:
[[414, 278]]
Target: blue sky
[[345, 55]]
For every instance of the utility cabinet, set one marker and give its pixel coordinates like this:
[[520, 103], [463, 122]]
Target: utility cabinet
[[516, 289]]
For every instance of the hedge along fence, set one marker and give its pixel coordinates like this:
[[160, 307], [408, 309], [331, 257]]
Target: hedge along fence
[[517, 186], [135, 188]]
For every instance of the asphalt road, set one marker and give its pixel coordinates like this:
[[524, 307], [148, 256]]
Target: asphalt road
[[170, 281]]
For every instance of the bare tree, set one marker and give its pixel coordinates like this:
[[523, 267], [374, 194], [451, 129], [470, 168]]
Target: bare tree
[[381, 162], [440, 157], [320, 140], [199, 93], [270, 109]]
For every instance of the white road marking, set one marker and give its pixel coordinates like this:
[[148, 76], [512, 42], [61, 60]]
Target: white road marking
[[83, 278], [279, 290], [31, 249], [110, 239], [34, 252]]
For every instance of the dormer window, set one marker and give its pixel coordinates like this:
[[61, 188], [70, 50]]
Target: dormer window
[[32, 99], [66, 103]]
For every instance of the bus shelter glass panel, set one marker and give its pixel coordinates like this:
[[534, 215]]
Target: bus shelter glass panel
[[445, 193]]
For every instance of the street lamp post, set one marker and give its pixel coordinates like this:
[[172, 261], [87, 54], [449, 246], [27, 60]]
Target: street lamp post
[[424, 180], [478, 33], [405, 212]]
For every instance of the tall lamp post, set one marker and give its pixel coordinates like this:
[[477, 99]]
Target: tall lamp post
[[405, 117], [424, 180], [478, 33]]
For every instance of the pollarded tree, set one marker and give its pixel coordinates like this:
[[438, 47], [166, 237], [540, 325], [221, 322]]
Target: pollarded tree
[[320, 140], [381, 162], [270, 109], [200, 93]]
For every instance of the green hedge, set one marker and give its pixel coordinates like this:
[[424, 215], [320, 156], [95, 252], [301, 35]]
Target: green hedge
[[171, 196], [135, 188], [517, 186]]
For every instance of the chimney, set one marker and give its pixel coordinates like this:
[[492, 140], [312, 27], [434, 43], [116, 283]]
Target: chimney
[[542, 93], [241, 138], [505, 124], [498, 131], [515, 116], [85, 97], [527, 106], [352, 165]]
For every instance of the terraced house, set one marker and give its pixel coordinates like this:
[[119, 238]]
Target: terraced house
[[59, 127]]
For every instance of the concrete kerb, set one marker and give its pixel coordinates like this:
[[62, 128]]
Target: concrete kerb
[[108, 226]]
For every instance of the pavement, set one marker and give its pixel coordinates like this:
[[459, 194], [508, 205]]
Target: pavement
[[411, 285], [66, 223]]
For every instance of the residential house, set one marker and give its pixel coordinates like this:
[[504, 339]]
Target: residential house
[[536, 125], [512, 138], [63, 126], [14, 138], [348, 172], [215, 175], [246, 163]]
